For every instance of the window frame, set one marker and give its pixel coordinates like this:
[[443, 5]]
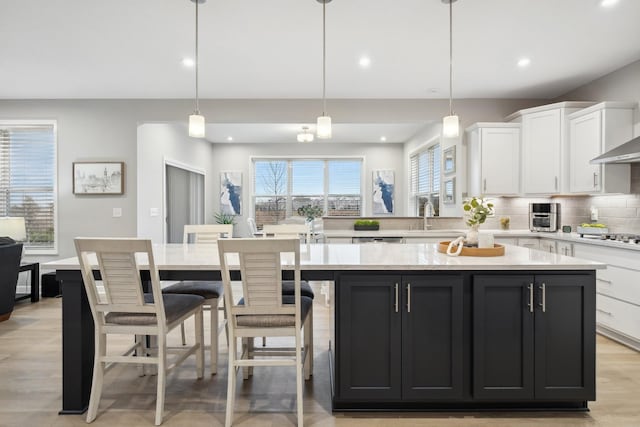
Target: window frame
[[56, 237], [289, 184], [414, 196]]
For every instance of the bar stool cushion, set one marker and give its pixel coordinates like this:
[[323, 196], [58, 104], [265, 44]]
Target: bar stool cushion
[[276, 320], [305, 288], [206, 289], [174, 307]]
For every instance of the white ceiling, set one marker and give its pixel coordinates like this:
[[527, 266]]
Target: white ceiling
[[272, 49], [287, 132]]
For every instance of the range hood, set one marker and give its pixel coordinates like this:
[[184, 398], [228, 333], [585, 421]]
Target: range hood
[[628, 152]]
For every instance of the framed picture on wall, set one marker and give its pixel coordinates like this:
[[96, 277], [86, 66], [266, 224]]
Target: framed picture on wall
[[383, 192], [104, 178], [231, 192], [450, 191], [449, 160]]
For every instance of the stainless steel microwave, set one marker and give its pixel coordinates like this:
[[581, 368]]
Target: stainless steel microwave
[[544, 216]]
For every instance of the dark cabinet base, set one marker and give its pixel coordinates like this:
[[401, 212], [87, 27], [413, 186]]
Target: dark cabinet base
[[511, 340]]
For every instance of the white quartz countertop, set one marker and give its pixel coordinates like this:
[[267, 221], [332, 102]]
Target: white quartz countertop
[[408, 234], [367, 256]]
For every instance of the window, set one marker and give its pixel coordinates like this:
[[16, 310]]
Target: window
[[27, 180], [282, 186], [425, 180]]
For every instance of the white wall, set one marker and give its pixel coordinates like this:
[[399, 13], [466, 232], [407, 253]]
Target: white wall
[[106, 130], [158, 144], [237, 157]]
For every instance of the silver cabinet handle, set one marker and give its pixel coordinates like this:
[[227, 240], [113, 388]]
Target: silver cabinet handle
[[396, 303], [543, 304], [530, 297], [609, 282], [595, 179], [408, 297], [608, 313], [556, 183], [485, 184]]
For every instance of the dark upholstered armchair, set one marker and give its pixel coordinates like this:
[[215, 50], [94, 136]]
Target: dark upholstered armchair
[[10, 255]]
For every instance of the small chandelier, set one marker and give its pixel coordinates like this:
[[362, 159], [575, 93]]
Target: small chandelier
[[305, 135], [196, 120], [323, 127], [450, 123]]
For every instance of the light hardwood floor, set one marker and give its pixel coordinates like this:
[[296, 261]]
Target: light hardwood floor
[[30, 391]]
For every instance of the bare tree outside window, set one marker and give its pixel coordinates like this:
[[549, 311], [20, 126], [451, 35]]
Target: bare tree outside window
[[271, 204]]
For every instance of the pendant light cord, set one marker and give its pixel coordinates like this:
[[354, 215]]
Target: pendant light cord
[[324, 59], [197, 61], [451, 57]]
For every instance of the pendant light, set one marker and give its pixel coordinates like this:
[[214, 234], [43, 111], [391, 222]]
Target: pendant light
[[450, 123], [196, 120], [305, 135], [323, 127]]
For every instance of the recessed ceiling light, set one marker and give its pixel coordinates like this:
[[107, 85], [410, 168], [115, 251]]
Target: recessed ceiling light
[[524, 62], [188, 62], [365, 62], [383, 139], [229, 138], [608, 3]]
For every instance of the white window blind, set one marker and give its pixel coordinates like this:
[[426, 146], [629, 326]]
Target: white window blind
[[282, 186], [27, 180], [425, 179]]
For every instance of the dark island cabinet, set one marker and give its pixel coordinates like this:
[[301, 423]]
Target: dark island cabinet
[[399, 337], [534, 337]]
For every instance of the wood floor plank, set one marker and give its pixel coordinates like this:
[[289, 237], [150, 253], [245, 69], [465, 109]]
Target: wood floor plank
[[30, 368]]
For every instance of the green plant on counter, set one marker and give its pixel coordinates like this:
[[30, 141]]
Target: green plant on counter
[[366, 222], [477, 210], [310, 212], [224, 218]]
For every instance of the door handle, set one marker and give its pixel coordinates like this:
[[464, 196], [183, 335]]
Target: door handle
[[485, 184], [608, 313], [408, 297], [530, 297], [396, 303], [595, 179], [543, 303], [608, 282], [556, 183]]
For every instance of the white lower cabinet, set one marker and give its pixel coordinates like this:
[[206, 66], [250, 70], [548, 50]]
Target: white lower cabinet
[[618, 288], [529, 242], [564, 248], [547, 245]]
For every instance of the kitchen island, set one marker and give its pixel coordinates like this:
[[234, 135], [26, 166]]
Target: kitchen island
[[413, 328]]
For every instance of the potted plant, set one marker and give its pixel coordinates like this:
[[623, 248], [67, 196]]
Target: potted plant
[[310, 212], [476, 210], [366, 224], [224, 218]]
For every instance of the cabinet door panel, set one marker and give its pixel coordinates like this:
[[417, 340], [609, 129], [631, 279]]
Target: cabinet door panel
[[500, 161], [502, 338], [565, 337], [432, 337], [585, 143], [369, 339], [542, 139]]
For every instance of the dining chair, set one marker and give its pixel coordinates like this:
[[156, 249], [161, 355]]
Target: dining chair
[[10, 255], [264, 311], [206, 233], [253, 228], [211, 291], [302, 232], [123, 309]]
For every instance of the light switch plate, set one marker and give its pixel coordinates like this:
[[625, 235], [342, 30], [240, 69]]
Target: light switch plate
[[117, 212]]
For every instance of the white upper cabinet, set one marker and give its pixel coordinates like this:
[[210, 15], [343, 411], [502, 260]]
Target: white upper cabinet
[[593, 131], [494, 159], [545, 146]]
